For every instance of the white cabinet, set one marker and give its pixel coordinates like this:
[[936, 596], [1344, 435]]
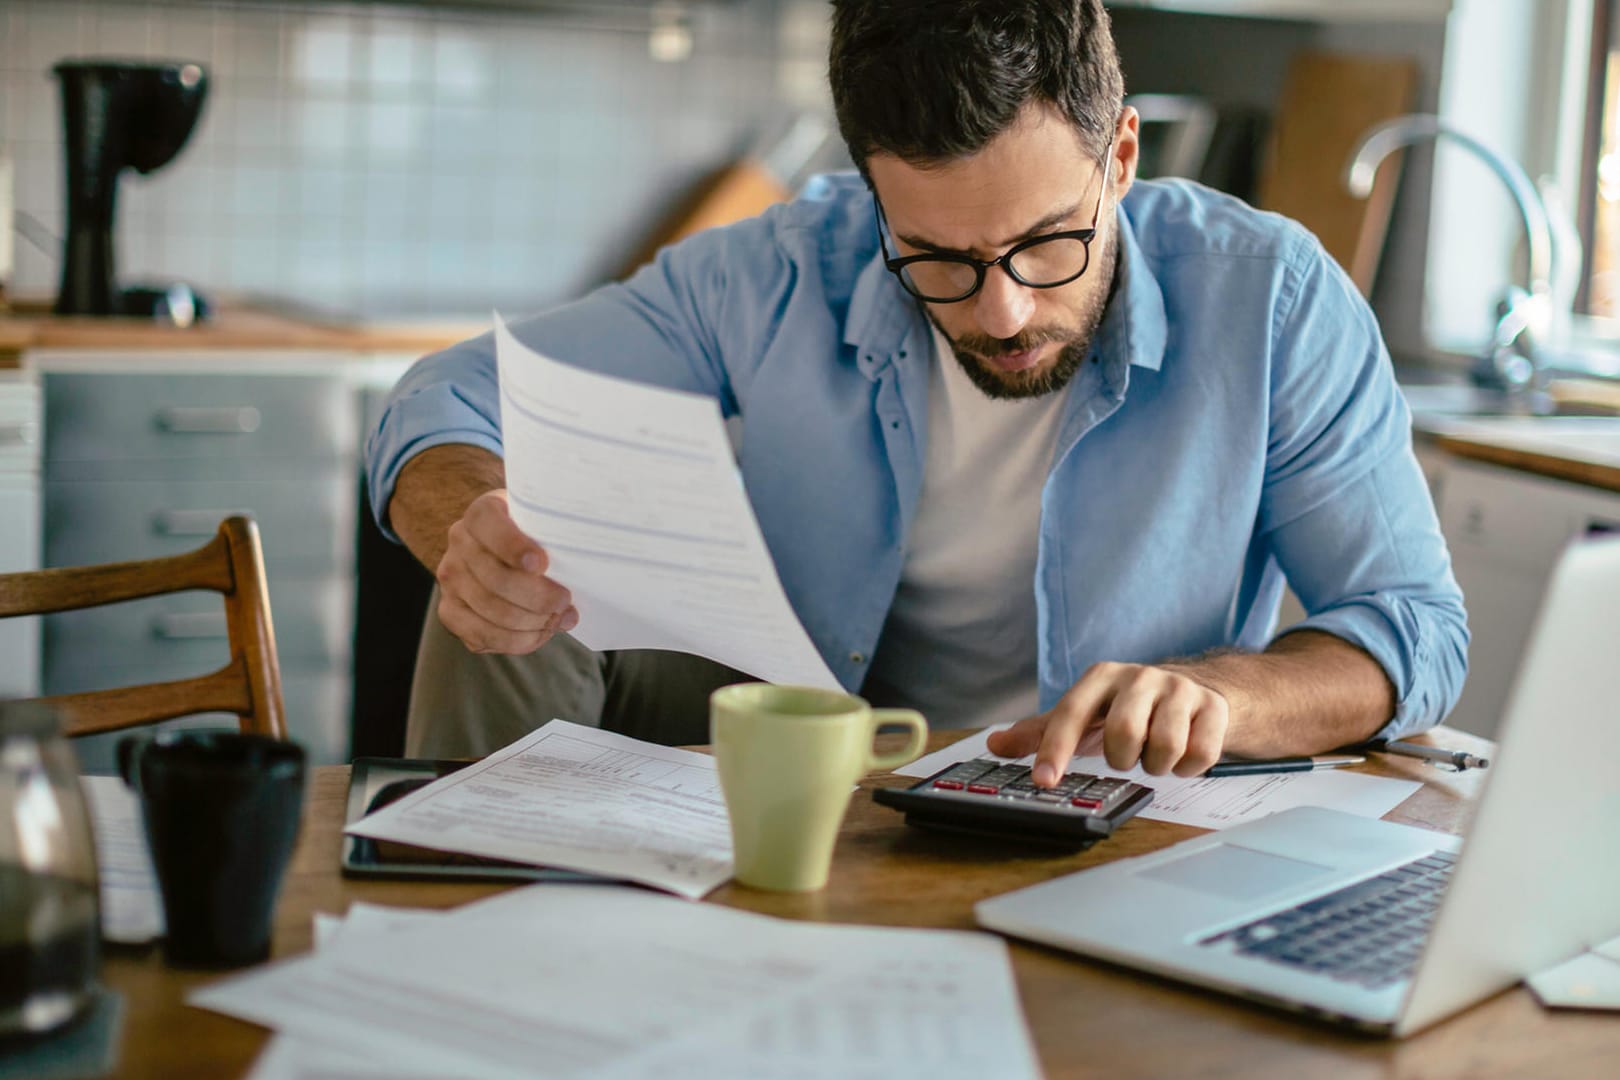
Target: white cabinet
[[144, 454], [20, 439], [1506, 529]]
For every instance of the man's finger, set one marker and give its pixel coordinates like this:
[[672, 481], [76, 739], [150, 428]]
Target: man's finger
[[481, 636], [1066, 725], [530, 591], [1019, 740], [489, 521], [1125, 728], [1206, 737], [496, 609], [1168, 728]]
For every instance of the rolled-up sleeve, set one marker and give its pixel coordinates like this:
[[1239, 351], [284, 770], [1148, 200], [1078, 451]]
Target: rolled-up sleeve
[[1346, 509], [670, 324]]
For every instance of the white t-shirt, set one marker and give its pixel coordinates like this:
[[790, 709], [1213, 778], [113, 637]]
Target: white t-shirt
[[960, 641]]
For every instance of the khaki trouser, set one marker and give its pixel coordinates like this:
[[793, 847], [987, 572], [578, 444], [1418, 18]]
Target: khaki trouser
[[466, 704]]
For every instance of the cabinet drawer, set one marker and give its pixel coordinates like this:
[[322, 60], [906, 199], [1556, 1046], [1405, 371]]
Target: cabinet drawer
[[317, 707], [21, 434], [1508, 519], [19, 551], [306, 525], [212, 420], [183, 635]]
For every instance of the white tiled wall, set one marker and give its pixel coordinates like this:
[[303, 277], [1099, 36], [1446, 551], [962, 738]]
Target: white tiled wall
[[367, 156]]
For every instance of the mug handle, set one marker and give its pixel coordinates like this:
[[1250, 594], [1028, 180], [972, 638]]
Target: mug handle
[[130, 749], [907, 718]]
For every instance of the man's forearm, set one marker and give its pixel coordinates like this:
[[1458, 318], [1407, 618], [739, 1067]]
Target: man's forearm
[[1307, 693], [433, 491]]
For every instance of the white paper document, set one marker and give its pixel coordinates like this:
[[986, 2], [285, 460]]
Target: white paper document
[[131, 909], [634, 493], [1590, 980], [597, 981], [1211, 803], [287, 1057], [578, 798]]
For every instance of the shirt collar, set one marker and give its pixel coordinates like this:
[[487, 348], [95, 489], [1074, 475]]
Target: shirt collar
[[1135, 325], [883, 318]]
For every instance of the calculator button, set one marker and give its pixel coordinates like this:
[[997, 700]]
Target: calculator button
[[983, 789], [1003, 775], [948, 785], [1086, 802]]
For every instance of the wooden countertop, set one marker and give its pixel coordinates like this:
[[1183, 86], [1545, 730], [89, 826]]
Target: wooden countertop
[[234, 325], [1579, 450]]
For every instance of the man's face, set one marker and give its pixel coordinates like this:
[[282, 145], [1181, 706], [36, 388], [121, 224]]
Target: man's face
[[1034, 178]]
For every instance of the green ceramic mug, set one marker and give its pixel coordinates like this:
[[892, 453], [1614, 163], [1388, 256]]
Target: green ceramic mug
[[788, 757]]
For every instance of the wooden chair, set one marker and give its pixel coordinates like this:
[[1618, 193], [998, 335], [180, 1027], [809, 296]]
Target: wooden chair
[[231, 564]]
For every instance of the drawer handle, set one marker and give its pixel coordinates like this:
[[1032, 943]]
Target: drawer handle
[[191, 522], [23, 434], [187, 626], [196, 420]]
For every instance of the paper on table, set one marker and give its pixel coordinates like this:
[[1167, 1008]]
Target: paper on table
[[589, 980], [634, 494], [1212, 803], [131, 911], [285, 1057], [924, 1003], [578, 798], [1588, 981]]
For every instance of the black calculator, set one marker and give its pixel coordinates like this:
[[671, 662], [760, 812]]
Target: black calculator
[[991, 798]]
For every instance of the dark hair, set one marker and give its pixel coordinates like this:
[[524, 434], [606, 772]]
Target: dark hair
[[935, 80]]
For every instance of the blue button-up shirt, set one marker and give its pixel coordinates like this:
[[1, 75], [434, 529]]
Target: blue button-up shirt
[[1238, 425]]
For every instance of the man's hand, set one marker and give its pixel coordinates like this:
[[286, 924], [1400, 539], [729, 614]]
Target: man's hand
[[493, 591], [1164, 718]]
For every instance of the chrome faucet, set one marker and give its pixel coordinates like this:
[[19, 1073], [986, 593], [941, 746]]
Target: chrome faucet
[[1523, 315]]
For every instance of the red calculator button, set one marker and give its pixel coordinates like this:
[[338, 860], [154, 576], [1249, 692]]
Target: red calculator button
[[983, 789], [949, 785], [1087, 804]]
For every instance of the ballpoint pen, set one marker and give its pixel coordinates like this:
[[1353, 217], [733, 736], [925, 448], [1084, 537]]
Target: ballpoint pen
[[1456, 759], [1240, 767]]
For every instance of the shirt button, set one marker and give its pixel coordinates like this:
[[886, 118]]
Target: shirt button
[[857, 658]]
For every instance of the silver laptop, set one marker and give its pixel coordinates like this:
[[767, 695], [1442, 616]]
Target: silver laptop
[[1386, 927]]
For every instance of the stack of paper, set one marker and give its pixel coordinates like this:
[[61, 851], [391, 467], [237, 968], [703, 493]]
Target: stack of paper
[[598, 981], [577, 798]]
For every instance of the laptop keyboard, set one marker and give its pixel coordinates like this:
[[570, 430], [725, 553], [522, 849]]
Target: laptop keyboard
[[1369, 933]]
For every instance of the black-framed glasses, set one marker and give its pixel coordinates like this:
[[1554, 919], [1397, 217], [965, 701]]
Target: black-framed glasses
[[1041, 262]]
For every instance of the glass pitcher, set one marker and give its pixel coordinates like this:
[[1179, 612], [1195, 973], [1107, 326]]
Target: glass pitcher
[[50, 931]]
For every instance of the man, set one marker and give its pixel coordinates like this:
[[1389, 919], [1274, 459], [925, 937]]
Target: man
[[1028, 441]]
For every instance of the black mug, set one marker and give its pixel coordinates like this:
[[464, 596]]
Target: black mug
[[222, 811]]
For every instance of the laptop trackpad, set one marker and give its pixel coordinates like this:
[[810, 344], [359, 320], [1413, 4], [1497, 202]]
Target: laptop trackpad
[[1236, 873]]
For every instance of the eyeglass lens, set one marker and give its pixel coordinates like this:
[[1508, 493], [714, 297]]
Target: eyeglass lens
[[1049, 262]]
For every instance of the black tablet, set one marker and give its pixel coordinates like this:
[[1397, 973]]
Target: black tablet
[[374, 782]]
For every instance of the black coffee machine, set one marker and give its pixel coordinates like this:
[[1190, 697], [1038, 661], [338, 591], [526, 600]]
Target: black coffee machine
[[119, 114]]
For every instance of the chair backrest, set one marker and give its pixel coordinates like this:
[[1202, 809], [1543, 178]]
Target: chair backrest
[[231, 564]]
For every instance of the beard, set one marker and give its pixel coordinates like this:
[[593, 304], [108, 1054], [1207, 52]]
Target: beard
[[972, 351]]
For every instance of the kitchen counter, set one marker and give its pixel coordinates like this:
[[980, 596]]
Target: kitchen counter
[[1578, 449], [234, 325]]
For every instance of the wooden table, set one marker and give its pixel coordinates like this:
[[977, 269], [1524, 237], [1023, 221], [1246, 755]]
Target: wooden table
[[1087, 1019]]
